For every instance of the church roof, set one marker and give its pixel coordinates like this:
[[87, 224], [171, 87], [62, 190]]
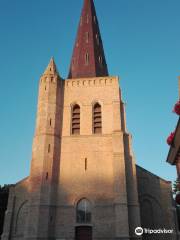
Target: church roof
[[88, 58]]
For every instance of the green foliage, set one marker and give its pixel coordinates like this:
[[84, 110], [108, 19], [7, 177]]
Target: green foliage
[[176, 187]]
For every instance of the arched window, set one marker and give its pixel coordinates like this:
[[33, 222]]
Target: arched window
[[21, 219], [75, 119], [83, 211], [147, 210], [97, 119]]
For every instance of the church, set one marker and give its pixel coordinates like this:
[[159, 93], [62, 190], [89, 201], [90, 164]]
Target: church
[[84, 183]]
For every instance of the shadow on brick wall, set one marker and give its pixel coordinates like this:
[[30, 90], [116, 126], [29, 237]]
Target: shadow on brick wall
[[4, 192]]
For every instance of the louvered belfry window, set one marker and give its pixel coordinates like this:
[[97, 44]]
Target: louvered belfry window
[[97, 119], [76, 120]]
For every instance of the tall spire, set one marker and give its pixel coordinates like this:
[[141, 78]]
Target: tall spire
[[88, 58]]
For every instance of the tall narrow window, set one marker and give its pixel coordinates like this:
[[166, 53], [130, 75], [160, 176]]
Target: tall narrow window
[[85, 164], [81, 21], [97, 119], [75, 119], [87, 59], [100, 60], [83, 211], [87, 37], [49, 148], [97, 38], [47, 176], [94, 19]]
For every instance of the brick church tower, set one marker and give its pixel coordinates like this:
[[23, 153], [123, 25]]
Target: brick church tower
[[83, 181]]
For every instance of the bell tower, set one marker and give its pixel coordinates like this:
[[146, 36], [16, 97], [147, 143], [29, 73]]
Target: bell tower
[[97, 162]]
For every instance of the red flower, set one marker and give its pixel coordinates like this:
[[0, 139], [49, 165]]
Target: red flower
[[177, 108], [170, 138]]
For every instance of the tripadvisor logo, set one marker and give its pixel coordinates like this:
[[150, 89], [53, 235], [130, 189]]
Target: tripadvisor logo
[[140, 231]]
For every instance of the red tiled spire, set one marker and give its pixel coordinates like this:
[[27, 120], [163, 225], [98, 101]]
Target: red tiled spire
[[88, 58]]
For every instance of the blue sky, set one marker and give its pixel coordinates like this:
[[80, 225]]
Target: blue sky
[[142, 45]]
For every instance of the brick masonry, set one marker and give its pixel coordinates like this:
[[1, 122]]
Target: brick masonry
[[43, 206]]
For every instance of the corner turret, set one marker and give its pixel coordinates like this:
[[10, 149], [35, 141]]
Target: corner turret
[[45, 154]]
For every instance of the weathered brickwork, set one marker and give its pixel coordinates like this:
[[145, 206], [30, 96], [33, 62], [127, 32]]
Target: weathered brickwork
[[43, 206]]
